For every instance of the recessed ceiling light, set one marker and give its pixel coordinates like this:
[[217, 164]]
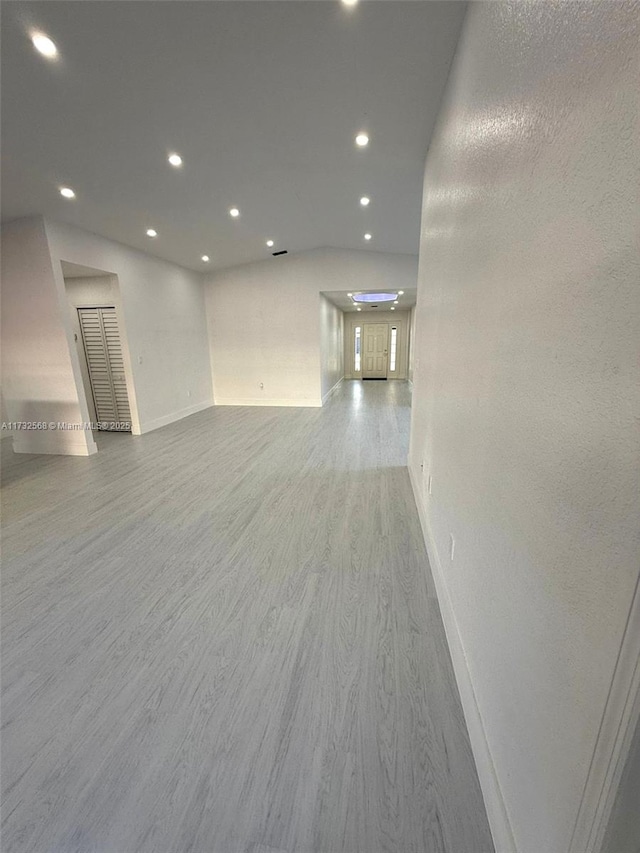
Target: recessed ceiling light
[[67, 192], [400, 292], [269, 243], [392, 308], [175, 159], [349, 2], [151, 232], [358, 309], [396, 302], [234, 212], [362, 140], [367, 236], [44, 45], [205, 258], [364, 201], [349, 294]]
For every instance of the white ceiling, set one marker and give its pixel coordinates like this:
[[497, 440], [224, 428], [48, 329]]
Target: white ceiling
[[262, 100], [342, 300]]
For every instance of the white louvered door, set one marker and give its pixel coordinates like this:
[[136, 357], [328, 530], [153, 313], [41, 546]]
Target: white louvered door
[[103, 350]]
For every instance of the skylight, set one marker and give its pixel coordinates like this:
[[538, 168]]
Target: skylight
[[374, 297]]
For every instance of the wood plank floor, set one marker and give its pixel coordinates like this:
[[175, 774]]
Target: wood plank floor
[[223, 637]]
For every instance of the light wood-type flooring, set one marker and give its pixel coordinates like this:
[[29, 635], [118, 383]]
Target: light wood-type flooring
[[223, 637]]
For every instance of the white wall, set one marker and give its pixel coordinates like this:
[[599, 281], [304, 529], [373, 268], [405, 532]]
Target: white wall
[[399, 319], [41, 373], [412, 334], [526, 389], [263, 321], [331, 346], [162, 323]]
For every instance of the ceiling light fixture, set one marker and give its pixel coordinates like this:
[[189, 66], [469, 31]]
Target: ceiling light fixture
[[269, 243], [396, 302], [400, 292], [367, 236], [392, 308], [350, 2], [151, 232], [234, 212], [44, 45], [364, 201], [67, 192], [175, 160], [362, 140], [206, 258], [358, 309], [349, 294]]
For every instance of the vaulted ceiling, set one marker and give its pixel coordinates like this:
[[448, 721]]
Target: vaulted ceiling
[[262, 100]]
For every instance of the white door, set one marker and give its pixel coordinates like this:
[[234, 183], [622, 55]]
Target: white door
[[375, 351], [103, 350]]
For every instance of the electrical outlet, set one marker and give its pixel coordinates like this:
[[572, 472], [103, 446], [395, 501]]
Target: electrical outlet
[[452, 547]]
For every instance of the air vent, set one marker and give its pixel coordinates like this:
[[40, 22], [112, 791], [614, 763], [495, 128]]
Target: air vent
[[275, 254], [374, 306]]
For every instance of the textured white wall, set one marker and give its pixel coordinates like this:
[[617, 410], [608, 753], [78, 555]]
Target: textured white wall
[[162, 322], [263, 321], [40, 369], [331, 345], [526, 386]]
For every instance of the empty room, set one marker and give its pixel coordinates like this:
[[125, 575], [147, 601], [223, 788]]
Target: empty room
[[320, 390]]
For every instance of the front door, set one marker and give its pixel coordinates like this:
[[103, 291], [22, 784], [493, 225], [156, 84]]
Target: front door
[[375, 350]]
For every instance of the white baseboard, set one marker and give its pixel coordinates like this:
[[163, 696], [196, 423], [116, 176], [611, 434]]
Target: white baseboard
[[331, 390], [165, 420], [267, 401], [59, 443], [497, 815]]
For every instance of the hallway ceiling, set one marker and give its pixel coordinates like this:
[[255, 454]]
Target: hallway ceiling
[[342, 300], [262, 100]]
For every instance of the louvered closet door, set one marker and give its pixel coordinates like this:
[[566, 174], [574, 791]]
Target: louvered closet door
[[106, 367]]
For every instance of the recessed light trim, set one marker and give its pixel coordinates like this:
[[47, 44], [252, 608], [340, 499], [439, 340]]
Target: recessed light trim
[[175, 160], [206, 259], [368, 237], [362, 140], [151, 232], [67, 192], [234, 212], [270, 243], [364, 201], [44, 45]]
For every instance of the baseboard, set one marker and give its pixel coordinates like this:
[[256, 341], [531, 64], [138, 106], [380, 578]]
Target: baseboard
[[267, 401], [165, 420], [619, 720], [57, 443], [331, 390], [497, 815]]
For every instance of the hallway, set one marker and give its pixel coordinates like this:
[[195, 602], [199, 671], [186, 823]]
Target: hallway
[[223, 637]]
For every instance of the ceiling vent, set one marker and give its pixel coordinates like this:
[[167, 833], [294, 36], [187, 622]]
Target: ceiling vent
[[284, 252]]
